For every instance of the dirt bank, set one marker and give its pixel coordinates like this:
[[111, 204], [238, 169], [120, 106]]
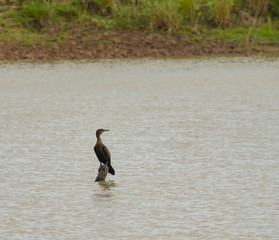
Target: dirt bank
[[127, 44]]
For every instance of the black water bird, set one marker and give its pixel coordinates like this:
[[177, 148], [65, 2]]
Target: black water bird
[[102, 151]]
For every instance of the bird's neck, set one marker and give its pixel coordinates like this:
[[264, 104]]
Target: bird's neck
[[99, 140]]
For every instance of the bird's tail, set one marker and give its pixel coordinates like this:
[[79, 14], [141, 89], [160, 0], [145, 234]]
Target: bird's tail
[[111, 170]]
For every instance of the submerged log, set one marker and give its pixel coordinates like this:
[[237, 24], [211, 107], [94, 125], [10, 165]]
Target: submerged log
[[102, 173]]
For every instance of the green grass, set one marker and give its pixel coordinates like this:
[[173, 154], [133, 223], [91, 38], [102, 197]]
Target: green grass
[[169, 15], [67, 11], [21, 37], [268, 32], [35, 10], [228, 34]]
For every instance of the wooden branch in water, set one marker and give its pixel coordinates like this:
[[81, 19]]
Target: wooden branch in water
[[102, 173]]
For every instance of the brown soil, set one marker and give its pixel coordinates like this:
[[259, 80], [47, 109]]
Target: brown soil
[[127, 44]]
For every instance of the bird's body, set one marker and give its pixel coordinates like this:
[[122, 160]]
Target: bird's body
[[102, 151]]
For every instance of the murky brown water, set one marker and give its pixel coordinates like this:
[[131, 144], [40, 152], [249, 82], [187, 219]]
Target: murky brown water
[[195, 146]]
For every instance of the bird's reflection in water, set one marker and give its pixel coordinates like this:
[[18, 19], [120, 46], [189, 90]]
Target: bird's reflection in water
[[105, 186]]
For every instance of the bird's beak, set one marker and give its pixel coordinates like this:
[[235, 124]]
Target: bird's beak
[[106, 130]]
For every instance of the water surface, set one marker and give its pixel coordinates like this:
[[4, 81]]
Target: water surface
[[194, 144]]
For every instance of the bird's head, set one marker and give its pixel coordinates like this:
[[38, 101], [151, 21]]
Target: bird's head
[[100, 131]]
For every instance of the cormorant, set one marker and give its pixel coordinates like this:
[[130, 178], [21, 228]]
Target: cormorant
[[102, 152]]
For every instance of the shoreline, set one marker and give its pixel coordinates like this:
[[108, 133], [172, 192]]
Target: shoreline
[[128, 45]]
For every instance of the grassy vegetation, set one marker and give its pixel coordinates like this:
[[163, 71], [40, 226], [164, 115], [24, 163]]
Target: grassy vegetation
[[31, 21]]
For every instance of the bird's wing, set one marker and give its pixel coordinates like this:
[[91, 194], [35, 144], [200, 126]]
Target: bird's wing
[[106, 153]]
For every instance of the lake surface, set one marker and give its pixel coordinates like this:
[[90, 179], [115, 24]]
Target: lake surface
[[194, 143]]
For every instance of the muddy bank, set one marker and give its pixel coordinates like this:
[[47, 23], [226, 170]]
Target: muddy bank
[[128, 44]]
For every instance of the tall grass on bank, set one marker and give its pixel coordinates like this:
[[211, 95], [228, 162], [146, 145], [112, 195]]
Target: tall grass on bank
[[169, 15], [165, 15], [223, 12]]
